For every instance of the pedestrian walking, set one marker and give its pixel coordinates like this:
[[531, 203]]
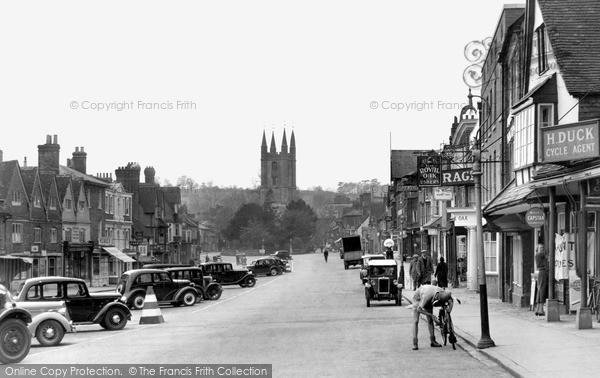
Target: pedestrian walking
[[413, 272], [425, 268], [389, 254], [424, 299], [541, 261], [325, 254], [441, 273]]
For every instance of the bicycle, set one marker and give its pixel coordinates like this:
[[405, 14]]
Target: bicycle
[[446, 326], [593, 300]]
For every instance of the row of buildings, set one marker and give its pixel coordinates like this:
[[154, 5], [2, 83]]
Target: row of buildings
[[58, 220], [536, 127]]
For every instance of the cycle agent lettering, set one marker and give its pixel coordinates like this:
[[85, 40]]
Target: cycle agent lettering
[[444, 321]]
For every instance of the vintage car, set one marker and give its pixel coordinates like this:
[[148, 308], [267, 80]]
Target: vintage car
[[205, 286], [366, 259], [134, 283], [50, 321], [382, 282], [266, 265], [225, 274], [83, 307], [283, 254], [15, 340]]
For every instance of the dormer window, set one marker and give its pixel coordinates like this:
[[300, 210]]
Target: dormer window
[[16, 198]]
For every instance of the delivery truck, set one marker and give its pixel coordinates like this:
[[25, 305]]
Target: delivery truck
[[352, 251]]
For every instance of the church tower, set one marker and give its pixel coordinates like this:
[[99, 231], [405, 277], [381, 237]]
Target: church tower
[[278, 170]]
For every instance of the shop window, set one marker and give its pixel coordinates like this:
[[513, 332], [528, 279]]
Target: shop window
[[490, 248]]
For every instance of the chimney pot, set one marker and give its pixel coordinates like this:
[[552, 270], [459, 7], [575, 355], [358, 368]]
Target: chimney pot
[[55, 139], [48, 139]]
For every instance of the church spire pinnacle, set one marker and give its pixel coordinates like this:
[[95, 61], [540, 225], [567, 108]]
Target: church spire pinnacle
[[273, 149], [284, 145]]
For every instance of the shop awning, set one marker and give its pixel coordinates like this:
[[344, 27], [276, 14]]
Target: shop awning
[[512, 199], [28, 260], [508, 223], [435, 222], [118, 254]]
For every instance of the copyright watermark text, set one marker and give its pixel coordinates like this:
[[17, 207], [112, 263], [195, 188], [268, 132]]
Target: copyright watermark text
[[415, 106], [132, 105]]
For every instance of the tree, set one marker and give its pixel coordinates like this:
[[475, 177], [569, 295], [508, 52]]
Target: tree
[[242, 218], [255, 234], [298, 221]]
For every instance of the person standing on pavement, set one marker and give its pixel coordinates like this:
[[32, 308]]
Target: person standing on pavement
[[425, 297], [541, 261], [425, 268], [325, 254], [441, 273], [412, 271]]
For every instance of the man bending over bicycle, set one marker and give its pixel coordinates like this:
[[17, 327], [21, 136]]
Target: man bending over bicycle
[[424, 299]]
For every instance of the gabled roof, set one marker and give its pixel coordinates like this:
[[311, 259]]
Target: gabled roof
[[7, 170], [573, 28], [29, 174], [62, 184], [46, 180]]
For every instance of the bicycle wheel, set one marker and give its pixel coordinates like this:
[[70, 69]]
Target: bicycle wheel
[[443, 325], [450, 329]]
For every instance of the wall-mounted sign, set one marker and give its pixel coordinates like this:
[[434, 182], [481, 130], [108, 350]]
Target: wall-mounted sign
[[442, 194], [535, 217], [570, 142], [429, 171], [462, 176]]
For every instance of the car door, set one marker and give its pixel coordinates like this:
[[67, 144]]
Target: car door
[[164, 287], [80, 305]]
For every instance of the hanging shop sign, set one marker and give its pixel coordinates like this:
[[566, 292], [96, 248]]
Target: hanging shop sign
[[462, 176], [535, 217], [442, 194], [429, 171], [570, 142]]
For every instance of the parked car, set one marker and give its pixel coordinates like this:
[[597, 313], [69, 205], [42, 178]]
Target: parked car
[[381, 282], [83, 307], [283, 254], [134, 283], [225, 274], [15, 340], [285, 264], [205, 286], [50, 321], [266, 265]]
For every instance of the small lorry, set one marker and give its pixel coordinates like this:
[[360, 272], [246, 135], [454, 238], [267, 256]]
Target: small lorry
[[352, 251]]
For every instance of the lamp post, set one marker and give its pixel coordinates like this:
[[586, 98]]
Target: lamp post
[[485, 341]]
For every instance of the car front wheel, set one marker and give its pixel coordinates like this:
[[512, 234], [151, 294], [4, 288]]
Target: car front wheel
[[250, 281], [115, 319], [214, 293], [138, 302], [189, 298], [49, 333], [15, 341]]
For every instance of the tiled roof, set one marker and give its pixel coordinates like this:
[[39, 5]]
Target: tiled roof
[[46, 180], [62, 183], [91, 179], [7, 169], [509, 196], [573, 27], [28, 174]]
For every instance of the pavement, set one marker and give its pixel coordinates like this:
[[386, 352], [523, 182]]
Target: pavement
[[526, 345]]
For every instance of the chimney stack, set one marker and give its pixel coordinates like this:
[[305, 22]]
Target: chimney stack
[[49, 156], [79, 160]]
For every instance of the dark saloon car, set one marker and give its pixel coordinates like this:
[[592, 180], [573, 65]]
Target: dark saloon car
[[225, 274], [84, 307], [134, 283], [266, 265], [283, 254], [15, 340], [205, 286]]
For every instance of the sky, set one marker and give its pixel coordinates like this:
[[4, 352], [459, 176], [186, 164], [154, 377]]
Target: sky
[[188, 87]]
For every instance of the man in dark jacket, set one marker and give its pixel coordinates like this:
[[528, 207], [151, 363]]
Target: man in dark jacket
[[441, 273], [425, 268]]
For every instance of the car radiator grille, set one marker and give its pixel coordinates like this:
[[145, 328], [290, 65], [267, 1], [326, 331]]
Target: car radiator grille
[[384, 285]]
